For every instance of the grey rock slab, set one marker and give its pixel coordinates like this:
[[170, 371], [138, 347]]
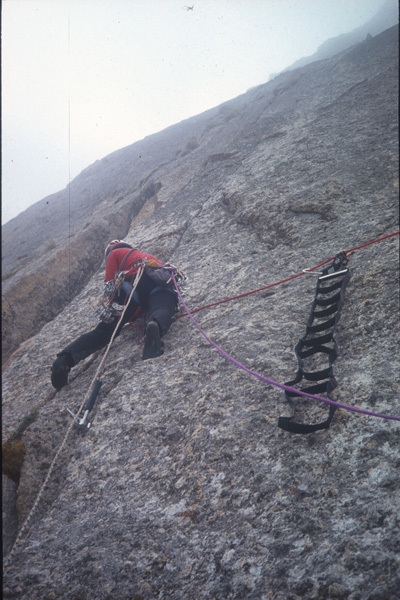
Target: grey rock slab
[[184, 487]]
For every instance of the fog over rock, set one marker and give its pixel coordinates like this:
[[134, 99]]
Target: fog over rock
[[184, 487], [386, 17]]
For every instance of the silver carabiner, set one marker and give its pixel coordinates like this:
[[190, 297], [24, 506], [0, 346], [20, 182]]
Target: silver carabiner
[[308, 272], [81, 423]]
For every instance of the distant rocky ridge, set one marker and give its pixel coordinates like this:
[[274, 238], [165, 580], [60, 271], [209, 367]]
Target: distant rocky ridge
[[184, 487], [387, 16]]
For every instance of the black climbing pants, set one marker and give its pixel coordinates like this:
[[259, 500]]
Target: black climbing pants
[[160, 306]]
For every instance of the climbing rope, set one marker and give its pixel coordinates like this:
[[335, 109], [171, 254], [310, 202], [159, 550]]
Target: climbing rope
[[88, 403], [282, 386], [276, 283], [94, 389], [95, 385]]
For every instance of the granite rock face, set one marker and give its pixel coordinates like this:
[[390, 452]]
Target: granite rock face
[[184, 487]]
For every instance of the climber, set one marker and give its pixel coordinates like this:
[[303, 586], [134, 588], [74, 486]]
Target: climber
[[156, 299]]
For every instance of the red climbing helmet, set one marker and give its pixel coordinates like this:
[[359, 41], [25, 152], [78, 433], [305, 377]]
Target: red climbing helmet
[[114, 244]]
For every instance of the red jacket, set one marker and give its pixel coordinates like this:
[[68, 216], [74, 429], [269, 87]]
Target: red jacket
[[115, 258]]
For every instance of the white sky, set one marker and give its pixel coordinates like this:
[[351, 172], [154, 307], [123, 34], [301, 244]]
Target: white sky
[[82, 78]]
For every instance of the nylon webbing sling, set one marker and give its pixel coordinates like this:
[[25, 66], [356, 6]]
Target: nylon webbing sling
[[318, 345]]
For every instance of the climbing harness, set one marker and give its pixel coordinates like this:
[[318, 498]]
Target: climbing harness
[[318, 342], [88, 402], [166, 274]]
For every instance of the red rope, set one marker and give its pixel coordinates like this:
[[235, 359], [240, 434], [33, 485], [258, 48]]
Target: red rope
[[380, 239], [270, 285], [271, 381]]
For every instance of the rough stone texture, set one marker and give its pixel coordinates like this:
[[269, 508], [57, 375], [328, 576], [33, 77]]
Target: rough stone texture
[[9, 515], [184, 487]]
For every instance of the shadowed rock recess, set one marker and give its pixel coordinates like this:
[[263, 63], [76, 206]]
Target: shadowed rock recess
[[184, 487]]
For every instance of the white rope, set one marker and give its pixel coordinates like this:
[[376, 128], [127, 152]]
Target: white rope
[[101, 365], [61, 447]]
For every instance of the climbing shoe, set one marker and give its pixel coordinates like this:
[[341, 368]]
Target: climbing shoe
[[153, 346], [59, 371]]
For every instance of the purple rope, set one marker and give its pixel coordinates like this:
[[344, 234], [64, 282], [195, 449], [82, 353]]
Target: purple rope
[[271, 381]]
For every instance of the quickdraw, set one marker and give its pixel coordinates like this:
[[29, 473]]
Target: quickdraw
[[90, 399], [318, 342]]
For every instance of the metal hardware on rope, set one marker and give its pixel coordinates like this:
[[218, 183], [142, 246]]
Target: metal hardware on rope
[[308, 270], [326, 308], [331, 275], [89, 400], [82, 423], [282, 386]]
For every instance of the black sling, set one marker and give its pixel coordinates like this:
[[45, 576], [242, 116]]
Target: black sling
[[317, 343]]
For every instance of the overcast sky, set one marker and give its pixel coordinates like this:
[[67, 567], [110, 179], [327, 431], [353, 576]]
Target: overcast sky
[[82, 78]]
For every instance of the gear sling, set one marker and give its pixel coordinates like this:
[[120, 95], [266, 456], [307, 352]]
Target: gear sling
[[318, 343]]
